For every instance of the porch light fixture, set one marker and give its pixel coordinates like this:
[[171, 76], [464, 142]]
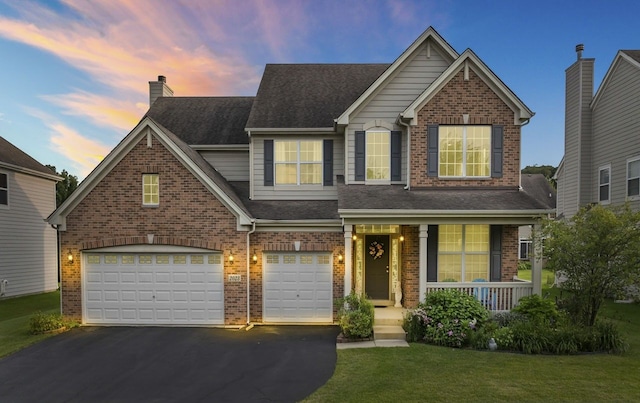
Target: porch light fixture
[[401, 238], [355, 237], [70, 257], [340, 257], [254, 257], [230, 257]]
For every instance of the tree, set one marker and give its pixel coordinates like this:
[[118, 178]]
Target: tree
[[547, 170], [66, 186], [598, 252]]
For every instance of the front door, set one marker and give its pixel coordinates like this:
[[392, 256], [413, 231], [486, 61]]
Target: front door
[[376, 266]]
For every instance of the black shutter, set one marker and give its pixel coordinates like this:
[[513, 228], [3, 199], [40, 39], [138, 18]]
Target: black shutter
[[327, 162], [432, 254], [268, 162], [432, 150], [396, 155], [495, 264], [497, 135], [359, 157]]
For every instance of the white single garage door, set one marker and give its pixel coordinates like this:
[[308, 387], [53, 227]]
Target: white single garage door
[[153, 289], [298, 288]]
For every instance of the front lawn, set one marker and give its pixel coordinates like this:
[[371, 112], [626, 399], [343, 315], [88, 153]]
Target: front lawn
[[14, 319], [430, 373], [548, 276]]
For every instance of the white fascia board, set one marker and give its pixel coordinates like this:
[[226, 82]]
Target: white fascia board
[[616, 61], [521, 111], [294, 130], [221, 147], [27, 171], [355, 213], [343, 119], [148, 249], [263, 225]]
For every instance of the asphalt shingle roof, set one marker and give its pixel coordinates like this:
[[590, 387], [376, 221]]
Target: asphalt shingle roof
[[12, 155], [204, 120], [634, 54], [309, 95]]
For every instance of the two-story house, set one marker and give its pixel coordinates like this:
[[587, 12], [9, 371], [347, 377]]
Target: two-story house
[[601, 162], [385, 179]]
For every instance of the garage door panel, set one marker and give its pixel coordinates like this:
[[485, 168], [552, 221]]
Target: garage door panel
[[150, 289]]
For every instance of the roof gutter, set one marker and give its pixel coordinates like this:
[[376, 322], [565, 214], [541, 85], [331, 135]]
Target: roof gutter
[[32, 172], [299, 223], [382, 213]]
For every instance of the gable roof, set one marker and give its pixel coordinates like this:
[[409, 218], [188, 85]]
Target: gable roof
[[631, 56], [429, 33], [308, 95], [539, 188], [204, 120], [468, 59], [13, 158], [190, 158]]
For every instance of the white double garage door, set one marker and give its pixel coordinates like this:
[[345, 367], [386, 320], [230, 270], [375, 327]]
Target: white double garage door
[[188, 288]]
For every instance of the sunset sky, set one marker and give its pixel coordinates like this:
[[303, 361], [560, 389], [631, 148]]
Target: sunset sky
[[75, 73]]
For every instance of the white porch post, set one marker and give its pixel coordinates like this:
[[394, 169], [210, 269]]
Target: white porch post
[[422, 277], [348, 259], [536, 264]]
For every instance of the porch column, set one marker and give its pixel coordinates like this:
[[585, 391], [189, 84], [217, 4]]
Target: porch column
[[348, 258], [422, 277], [536, 264]]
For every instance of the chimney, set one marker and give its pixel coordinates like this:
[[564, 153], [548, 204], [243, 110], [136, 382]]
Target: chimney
[[159, 89], [579, 49]]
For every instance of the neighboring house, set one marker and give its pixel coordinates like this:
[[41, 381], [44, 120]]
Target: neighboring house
[[28, 244], [525, 232], [384, 179], [601, 162]]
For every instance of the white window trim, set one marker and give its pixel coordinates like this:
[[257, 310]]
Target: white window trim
[[636, 197], [8, 190], [464, 153], [602, 168], [298, 164], [463, 253], [150, 204], [366, 153], [529, 242]]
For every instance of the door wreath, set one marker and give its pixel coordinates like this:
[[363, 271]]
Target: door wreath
[[376, 249]]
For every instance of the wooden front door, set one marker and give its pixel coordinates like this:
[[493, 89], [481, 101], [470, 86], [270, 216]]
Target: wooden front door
[[376, 266]]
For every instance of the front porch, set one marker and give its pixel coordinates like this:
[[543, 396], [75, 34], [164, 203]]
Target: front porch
[[495, 296]]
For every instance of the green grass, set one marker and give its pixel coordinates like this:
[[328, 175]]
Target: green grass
[[14, 320], [548, 276], [430, 373]]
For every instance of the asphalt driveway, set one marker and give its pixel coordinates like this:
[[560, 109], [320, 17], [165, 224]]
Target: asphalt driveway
[[146, 364]]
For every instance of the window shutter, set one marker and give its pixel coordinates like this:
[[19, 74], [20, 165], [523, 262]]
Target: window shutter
[[432, 254], [268, 162], [396, 155], [497, 136], [327, 166], [495, 263], [359, 157], [432, 150]]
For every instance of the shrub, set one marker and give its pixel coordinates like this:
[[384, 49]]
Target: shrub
[[524, 265], [607, 338], [503, 319], [42, 322], [537, 309], [356, 316], [413, 325]]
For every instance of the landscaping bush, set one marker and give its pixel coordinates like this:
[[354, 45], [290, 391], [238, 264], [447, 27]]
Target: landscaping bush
[[356, 316], [41, 322], [537, 309], [445, 318], [524, 265], [607, 338]]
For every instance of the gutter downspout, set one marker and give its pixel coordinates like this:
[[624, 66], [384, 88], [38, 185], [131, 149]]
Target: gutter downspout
[[58, 242], [526, 122], [253, 229], [399, 121]]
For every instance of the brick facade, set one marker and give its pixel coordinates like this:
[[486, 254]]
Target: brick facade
[[484, 107]]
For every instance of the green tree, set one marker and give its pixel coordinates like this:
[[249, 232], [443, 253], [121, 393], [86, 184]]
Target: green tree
[[598, 252], [66, 186], [547, 170]]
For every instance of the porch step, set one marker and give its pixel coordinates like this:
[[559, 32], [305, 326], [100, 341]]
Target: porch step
[[382, 332], [388, 316]]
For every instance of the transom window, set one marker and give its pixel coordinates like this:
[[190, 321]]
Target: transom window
[[604, 184], [463, 252], [150, 189], [464, 151], [378, 151], [298, 162], [633, 178], [4, 189]]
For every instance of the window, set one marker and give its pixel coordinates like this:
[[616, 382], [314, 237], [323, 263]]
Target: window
[[464, 151], [463, 252], [150, 190], [604, 184], [525, 249], [633, 178], [378, 155], [298, 162], [4, 189]]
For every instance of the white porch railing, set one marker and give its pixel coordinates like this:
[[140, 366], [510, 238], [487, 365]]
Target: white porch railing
[[497, 297]]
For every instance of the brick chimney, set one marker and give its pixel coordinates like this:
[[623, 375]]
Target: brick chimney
[[159, 89]]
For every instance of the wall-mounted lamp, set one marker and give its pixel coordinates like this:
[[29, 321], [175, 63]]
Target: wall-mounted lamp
[[340, 258], [69, 256], [230, 257], [401, 238], [355, 237], [254, 257]]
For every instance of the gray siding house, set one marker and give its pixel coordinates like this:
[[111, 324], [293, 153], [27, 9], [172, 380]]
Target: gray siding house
[[601, 163], [28, 244]]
